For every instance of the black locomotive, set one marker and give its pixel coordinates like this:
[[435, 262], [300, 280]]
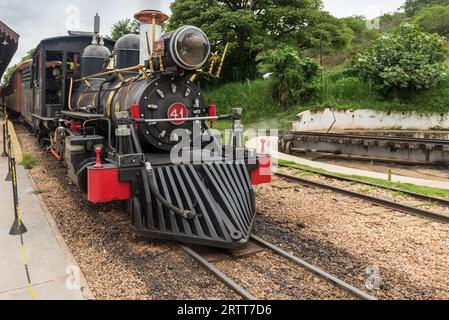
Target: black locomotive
[[138, 131]]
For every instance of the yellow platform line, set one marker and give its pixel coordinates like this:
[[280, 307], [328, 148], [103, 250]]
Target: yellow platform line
[[27, 270], [17, 150], [17, 153]]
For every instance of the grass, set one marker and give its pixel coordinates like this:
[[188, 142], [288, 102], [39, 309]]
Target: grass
[[259, 108], [427, 191], [28, 161], [40, 191]]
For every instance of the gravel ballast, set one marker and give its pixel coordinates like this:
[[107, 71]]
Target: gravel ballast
[[326, 229], [350, 238], [115, 263]]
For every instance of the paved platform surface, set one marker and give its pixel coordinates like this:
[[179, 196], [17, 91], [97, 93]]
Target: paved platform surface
[[48, 262], [271, 144]]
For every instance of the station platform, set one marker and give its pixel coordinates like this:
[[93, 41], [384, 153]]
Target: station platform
[[271, 143], [52, 270]]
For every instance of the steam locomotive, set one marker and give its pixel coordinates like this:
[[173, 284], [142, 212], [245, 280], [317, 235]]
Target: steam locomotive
[[130, 124]]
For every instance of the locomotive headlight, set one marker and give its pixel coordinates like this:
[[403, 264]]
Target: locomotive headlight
[[189, 47]]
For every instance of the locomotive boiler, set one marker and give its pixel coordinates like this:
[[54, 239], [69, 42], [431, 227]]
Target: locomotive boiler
[[131, 124]]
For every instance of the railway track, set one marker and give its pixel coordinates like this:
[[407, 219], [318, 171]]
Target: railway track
[[444, 202], [279, 251], [436, 216]]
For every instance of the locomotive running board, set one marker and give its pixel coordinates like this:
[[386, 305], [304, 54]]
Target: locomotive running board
[[221, 195]]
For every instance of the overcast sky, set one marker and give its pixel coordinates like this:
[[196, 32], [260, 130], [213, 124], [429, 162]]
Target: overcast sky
[[35, 20]]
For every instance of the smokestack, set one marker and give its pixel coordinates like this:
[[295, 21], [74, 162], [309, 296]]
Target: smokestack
[[97, 24], [150, 30]]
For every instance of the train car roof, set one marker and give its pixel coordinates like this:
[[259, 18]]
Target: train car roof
[[24, 64], [9, 41], [63, 42]]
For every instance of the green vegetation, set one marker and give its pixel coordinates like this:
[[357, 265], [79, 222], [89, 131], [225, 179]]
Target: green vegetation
[[257, 102], [427, 191], [40, 191], [398, 67], [8, 73], [252, 27], [406, 60], [339, 91], [294, 79], [434, 20], [123, 27], [411, 7], [28, 161]]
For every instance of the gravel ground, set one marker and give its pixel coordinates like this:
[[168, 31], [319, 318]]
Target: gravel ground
[[349, 237], [329, 230], [116, 264]]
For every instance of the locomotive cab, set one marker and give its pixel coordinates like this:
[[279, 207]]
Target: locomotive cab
[[55, 63]]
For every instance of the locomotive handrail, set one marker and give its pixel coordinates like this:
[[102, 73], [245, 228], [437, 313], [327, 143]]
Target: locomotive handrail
[[224, 117], [96, 75]]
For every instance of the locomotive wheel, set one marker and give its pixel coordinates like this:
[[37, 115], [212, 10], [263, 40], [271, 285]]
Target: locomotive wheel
[[130, 206], [82, 173], [41, 141], [288, 147]]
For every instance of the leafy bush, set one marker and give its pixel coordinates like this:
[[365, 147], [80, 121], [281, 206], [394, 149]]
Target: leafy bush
[[404, 61], [294, 79]]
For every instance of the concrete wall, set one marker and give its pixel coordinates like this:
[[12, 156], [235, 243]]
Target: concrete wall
[[368, 120]]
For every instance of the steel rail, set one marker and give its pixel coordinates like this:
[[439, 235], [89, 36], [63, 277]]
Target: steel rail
[[441, 201], [378, 201], [340, 283], [228, 281], [366, 137]]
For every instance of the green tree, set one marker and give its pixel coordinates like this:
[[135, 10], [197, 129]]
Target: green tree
[[123, 27], [293, 79], [390, 21], [8, 73], [330, 33], [404, 61], [251, 27], [434, 20], [413, 6], [356, 23], [362, 35]]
